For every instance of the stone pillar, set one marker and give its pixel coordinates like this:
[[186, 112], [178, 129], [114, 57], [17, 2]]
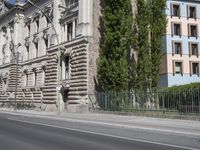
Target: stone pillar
[[18, 37], [66, 30], [74, 30], [7, 51], [63, 31], [63, 68], [85, 18], [18, 29], [1, 44], [57, 16]]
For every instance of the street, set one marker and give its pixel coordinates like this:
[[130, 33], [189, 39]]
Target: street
[[32, 133]]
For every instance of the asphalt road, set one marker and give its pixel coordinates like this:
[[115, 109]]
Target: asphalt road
[[30, 133]]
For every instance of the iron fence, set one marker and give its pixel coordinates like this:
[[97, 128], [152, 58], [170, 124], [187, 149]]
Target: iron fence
[[186, 102]]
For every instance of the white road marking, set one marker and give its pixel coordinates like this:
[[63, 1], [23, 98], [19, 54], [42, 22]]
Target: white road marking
[[107, 135]]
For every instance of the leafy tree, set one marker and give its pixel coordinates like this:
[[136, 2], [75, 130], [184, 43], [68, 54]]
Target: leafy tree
[[150, 26], [116, 65], [112, 64], [158, 29]]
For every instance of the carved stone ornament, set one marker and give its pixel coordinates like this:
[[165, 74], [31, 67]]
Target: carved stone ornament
[[11, 29], [43, 65], [65, 84], [11, 45], [27, 42], [25, 71], [45, 35], [4, 49], [27, 21], [4, 29], [25, 68], [36, 16], [5, 76], [34, 69], [62, 50], [47, 10], [35, 39], [55, 58]]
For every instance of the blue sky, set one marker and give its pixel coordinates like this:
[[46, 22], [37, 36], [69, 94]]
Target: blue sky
[[13, 1]]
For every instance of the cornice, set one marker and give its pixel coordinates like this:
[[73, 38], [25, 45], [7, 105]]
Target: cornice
[[28, 5], [12, 11]]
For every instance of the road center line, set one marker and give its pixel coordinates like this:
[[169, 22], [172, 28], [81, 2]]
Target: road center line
[[102, 134]]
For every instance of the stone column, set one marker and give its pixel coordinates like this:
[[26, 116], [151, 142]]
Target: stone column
[[62, 30], [57, 16], [1, 44], [63, 68], [66, 30], [85, 18], [7, 49], [74, 30], [18, 37], [18, 29]]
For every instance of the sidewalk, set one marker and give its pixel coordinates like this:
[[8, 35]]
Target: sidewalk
[[186, 127]]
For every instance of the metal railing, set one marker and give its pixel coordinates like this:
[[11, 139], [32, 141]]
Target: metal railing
[[185, 102]]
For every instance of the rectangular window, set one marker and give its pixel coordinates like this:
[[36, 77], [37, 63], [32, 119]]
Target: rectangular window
[[69, 31], [194, 49], [46, 41], [37, 25], [178, 68], [195, 68], [177, 29], [192, 12], [76, 25], [178, 48], [176, 10], [193, 30], [48, 22], [27, 51], [29, 29], [67, 67], [36, 49]]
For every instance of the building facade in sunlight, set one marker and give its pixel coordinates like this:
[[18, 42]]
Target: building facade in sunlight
[[26, 34], [32, 69], [181, 62]]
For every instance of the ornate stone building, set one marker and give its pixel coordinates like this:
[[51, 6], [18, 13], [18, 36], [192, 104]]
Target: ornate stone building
[[29, 53]]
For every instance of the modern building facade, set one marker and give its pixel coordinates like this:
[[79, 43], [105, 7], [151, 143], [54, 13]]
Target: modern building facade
[[27, 35], [181, 62]]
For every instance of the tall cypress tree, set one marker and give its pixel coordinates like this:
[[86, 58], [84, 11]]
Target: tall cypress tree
[[112, 64], [150, 24], [158, 29], [142, 46]]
